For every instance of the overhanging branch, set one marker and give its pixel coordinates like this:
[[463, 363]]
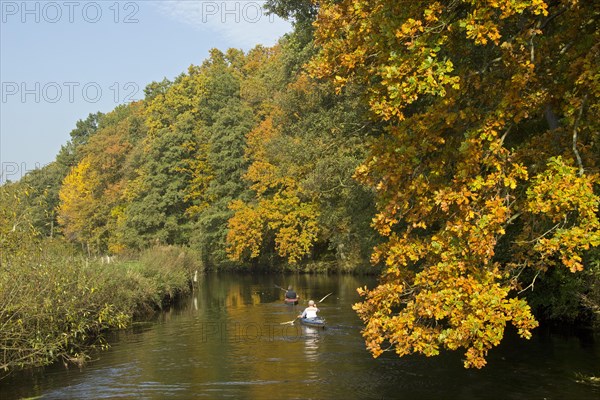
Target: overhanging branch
[[579, 163]]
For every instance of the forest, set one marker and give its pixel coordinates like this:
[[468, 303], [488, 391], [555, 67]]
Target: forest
[[452, 148]]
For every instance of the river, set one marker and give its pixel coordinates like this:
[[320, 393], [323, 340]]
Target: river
[[227, 340]]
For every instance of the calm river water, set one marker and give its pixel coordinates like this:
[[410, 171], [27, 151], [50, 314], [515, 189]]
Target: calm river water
[[227, 341]]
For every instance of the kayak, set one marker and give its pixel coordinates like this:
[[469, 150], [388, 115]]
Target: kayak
[[291, 301], [313, 322]]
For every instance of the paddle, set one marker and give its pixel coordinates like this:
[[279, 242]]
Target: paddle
[[279, 287], [326, 296], [290, 322]]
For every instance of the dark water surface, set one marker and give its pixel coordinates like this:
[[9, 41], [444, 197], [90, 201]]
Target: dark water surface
[[227, 341]]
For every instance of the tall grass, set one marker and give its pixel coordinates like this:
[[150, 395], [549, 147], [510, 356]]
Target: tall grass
[[55, 303], [159, 276]]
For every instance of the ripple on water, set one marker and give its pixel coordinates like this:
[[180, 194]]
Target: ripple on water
[[213, 350]]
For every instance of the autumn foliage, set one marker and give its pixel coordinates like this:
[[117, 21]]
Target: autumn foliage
[[491, 141], [454, 144]]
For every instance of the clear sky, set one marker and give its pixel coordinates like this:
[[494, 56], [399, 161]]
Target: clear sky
[[62, 60]]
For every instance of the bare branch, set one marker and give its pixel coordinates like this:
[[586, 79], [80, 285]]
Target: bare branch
[[551, 118], [505, 134], [539, 237], [512, 218], [575, 136], [532, 282]]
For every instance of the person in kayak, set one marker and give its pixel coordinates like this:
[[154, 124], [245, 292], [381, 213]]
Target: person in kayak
[[290, 294], [310, 311]]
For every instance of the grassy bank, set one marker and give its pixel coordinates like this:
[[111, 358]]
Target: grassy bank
[[55, 303]]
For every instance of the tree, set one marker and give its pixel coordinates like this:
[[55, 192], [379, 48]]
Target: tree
[[302, 155], [301, 13], [219, 163], [78, 202], [69, 154], [91, 196], [473, 187], [156, 204], [226, 141], [44, 183]]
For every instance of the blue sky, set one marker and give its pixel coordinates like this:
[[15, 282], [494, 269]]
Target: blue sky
[[61, 60]]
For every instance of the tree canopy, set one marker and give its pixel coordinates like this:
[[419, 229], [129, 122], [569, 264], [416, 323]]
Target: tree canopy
[[454, 145], [488, 164]]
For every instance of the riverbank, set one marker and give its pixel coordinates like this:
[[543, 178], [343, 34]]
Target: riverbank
[[226, 340], [55, 304]]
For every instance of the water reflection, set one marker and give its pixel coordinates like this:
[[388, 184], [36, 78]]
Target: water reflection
[[227, 341], [311, 344]]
